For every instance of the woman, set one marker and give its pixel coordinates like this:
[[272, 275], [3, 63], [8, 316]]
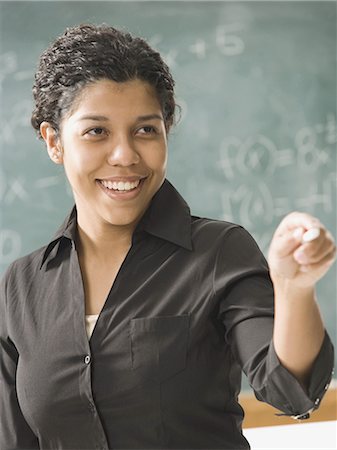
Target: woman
[[179, 304]]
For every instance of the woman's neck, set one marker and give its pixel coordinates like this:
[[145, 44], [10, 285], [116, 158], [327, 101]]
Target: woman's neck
[[103, 241]]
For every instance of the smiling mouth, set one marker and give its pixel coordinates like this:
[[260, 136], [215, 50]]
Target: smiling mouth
[[120, 186], [122, 189]]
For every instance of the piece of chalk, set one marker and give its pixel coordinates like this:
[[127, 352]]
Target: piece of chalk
[[310, 235]]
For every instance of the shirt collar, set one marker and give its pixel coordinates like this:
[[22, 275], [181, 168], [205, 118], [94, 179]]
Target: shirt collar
[[168, 217], [66, 231]]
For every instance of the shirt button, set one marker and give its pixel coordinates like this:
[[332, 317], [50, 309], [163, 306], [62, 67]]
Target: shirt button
[[317, 401], [87, 359], [327, 386]]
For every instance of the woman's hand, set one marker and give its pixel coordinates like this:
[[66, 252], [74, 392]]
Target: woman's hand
[[291, 258]]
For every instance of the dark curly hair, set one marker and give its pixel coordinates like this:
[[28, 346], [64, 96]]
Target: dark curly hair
[[86, 53]]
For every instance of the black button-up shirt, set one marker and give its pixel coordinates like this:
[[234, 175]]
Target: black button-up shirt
[[191, 306]]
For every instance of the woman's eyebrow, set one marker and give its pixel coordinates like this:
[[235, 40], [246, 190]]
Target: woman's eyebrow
[[93, 117], [104, 118], [149, 117]]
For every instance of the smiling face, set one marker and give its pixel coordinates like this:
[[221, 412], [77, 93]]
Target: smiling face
[[114, 150]]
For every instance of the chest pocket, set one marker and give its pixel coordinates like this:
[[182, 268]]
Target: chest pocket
[[159, 346]]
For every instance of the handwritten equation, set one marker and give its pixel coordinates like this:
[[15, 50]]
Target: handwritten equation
[[227, 39], [253, 166]]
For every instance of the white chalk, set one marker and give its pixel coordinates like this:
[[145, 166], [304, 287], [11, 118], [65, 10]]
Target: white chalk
[[310, 235]]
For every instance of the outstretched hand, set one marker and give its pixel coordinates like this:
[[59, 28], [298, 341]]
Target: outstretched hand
[[291, 258]]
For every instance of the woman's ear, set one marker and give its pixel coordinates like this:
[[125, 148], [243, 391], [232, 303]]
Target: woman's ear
[[52, 141]]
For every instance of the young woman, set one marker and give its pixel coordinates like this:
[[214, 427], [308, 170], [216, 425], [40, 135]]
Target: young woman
[[130, 328]]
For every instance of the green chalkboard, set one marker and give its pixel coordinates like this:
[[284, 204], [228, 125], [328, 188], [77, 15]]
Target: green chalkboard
[[257, 137]]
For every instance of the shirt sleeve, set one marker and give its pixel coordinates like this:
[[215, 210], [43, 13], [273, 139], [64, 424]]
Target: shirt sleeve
[[247, 311], [15, 434]]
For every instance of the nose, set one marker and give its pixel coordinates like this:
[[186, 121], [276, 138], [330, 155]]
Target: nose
[[122, 152]]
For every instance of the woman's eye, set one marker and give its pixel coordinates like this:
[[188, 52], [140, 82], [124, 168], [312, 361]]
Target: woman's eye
[[148, 129], [97, 131]]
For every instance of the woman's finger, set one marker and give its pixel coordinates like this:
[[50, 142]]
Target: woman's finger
[[325, 263], [314, 251], [298, 220]]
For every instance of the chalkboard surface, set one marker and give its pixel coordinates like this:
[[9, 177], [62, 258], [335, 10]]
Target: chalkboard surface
[[257, 137]]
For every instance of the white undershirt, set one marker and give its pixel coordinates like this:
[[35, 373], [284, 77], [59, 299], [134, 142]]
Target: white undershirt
[[90, 322]]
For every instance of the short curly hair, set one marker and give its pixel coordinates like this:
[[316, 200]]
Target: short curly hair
[[86, 53]]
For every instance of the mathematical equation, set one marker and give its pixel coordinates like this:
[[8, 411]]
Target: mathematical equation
[[250, 167], [227, 39]]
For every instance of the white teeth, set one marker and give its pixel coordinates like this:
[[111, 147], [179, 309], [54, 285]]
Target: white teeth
[[120, 185]]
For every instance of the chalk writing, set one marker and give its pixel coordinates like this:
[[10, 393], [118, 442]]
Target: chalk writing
[[10, 245], [227, 41], [17, 117], [259, 154], [8, 65], [255, 201], [253, 204], [15, 191], [310, 157], [199, 48]]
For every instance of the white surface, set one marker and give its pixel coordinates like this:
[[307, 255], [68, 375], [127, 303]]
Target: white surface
[[311, 235], [90, 322], [301, 435]]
